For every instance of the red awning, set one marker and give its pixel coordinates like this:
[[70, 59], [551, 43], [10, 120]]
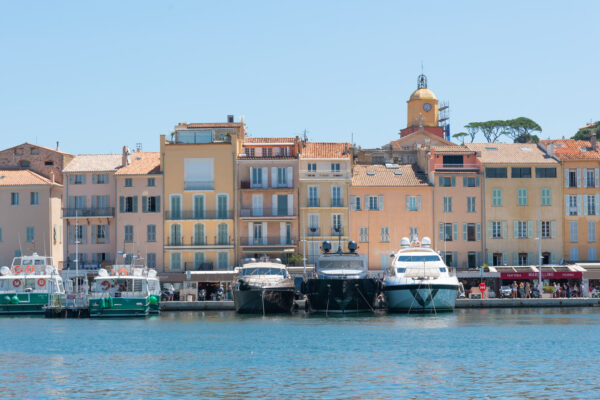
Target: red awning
[[545, 275]]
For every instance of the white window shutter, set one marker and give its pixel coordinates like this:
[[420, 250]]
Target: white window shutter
[[464, 231], [290, 204], [504, 258], [578, 204], [578, 177], [250, 234], [515, 230], [264, 232], [530, 229], [441, 231], [597, 201], [515, 258], [455, 259], [504, 230], [265, 177], [553, 258], [407, 207], [596, 177], [566, 177], [282, 235], [419, 203], [490, 229], [380, 205], [553, 229], [274, 177], [584, 181], [290, 177], [478, 232], [352, 203], [585, 204], [454, 231], [274, 205], [366, 205], [490, 259], [566, 204]]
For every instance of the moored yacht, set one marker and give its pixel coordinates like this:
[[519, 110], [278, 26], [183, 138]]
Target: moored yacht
[[29, 284], [418, 280], [341, 284], [263, 287]]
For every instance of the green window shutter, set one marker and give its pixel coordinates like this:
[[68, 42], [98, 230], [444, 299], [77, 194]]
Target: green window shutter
[[453, 181], [464, 181], [490, 229], [478, 232], [464, 231], [121, 204], [144, 204], [158, 203], [135, 204]]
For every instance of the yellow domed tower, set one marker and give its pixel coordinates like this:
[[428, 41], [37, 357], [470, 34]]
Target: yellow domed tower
[[422, 106]]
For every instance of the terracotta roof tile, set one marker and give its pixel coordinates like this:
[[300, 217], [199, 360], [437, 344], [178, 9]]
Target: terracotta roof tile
[[325, 150], [569, 149], [452, 149], [511, 153], [22, 177], [141, 164], [380, 175], [94, 163], [268, 140]]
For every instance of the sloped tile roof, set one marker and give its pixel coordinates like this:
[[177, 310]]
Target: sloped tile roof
[[325, 150], [380, 175], [511, 153], [40, 146], [94, 163], [452, 149], [141, 164], [267, 140], [22, 177], [569, 149]]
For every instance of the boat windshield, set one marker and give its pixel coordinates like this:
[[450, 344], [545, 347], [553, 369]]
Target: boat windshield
[[263, 271], [117, 285], [37, 261], [341, 264], [418, 258]]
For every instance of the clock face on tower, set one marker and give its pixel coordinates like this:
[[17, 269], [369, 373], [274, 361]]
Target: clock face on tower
[[427, 107]]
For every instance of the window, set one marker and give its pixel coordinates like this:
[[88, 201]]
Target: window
[[572, 204], [497, 197], [364, 234], [312, 167], [572, 177], [175, 238], [100, 179], [151, 182], [128, 182], [77, 179], [256, 177], [313, 196], [413, 203], [249, 151], [128, 233], [522, 196], [77, 234], [373, 205], [49, 163], [335, 167], [175, 206], [150, 204], [100, 202], [447, 181], [24, 164], [14, 199], [471, 232], [413, 233], [546, 232], [199, 260], [590, 178], [336, 196], [313, 224], [385, 234], [199, 235], [452, 161], [199, 174], [470, 204], [590, 205], [336, 224], [222, 212], [100, 234], [496, 229], [151, 233], [222, 260], [495, 172], [175, 261], [151, 260], [472, 259], [520, 173], [222, 234], [282, 205], [267, 152], [471, 181], [357, 203], [546, 196], [497, 259], [446, 231], [523, 259], [591, 231], [447, 204], [545, 172], [30, 234], [34, 151], [574, 254], [573, 231], [34, 198], [282, 177], [592, 254], [128, 204], [521, 229]]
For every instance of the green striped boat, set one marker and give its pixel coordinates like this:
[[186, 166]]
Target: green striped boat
[[25, 287], [128, 291]]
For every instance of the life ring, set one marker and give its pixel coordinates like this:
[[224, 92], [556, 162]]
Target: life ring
[[18, 269], [122, 272], [30, 269], [105, 285], [17, 283], [41, 282]]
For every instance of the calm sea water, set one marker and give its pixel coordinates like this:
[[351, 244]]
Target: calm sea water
[[542, 353]]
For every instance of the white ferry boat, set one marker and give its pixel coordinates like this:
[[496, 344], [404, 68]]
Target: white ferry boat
[[419, 281], [25, 287]]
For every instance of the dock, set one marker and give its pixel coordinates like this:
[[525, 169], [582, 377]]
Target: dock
[[526, 303], [224, 305]]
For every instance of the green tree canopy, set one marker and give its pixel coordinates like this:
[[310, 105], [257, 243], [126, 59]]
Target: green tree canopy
[[493, 130], [527, 138], [460, 136], [472, 129], [522, 129], [585, 132]]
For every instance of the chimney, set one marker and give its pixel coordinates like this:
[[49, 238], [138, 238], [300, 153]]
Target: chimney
[[593, 141], [125, 157], [230, 119], [57, 145]]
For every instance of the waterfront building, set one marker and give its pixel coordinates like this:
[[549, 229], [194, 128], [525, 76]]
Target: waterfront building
[[139, 218], [455, 173], [198, 163], [89, 210], [580, 161], [30, 220], [388, 202], [268, 198], [521, 184], [325, 174]]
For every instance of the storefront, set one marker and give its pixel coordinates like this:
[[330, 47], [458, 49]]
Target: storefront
[[471, 280], [591, 278], [200, 285], [570, 275]]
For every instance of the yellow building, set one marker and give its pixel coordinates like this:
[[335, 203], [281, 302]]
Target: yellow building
[[198, 164], [325, 176]]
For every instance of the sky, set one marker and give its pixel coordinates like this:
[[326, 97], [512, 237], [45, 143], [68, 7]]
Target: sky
[[95, 76]]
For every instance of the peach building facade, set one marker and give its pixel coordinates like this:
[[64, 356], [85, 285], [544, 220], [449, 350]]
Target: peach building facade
[[387, 203]]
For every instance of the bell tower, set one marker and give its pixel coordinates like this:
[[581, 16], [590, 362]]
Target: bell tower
[[422, 106]]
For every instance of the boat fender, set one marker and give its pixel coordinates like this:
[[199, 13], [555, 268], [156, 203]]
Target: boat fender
[[105, 285], [30, 269], [122, 272], [6, 299], [15, 300], [18, 269], [17, 283], [153, 300], [41, 282]]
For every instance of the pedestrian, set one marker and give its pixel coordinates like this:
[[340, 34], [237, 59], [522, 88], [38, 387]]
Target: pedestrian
[[566, 290], [521, 290], [514, 289], [556, 290], [171, 292], [528, 290]]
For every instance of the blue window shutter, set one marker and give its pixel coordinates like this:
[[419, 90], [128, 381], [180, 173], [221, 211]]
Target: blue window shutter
[[135, 204], [453, 181], [144, 204], [121, 204], [158, 203]]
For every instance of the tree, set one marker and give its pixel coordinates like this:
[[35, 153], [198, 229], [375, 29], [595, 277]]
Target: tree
[[472, 129], [522, 129], [527, 138], [460, 136], [493, 130], [585, 132]]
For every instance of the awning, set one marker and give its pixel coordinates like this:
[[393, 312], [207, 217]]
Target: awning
[[592, 270], [548, 272]]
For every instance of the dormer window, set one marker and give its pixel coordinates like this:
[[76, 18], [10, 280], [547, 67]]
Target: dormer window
[[335, 167], [249, 151], [268, 152]]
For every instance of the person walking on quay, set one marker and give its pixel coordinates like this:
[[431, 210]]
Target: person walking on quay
[[514, 289], [171, 292], [528, 290], [556, 290], [521, 290]]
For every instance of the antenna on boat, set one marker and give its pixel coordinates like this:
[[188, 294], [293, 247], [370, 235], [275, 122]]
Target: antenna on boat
[[20, 247]]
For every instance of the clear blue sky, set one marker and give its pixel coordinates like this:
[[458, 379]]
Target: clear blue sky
[[96, 76]]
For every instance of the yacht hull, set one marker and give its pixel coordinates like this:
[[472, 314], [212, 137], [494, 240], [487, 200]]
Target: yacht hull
[[420, 298], [341, 295], [114, 307], [264, 301]]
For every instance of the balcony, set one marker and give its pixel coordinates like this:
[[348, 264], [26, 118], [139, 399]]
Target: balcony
[[107, 212], [267, 241], [325, 175], [444, 166], [70, 265], [339, 231], [205, 266], [250, 185], [191, 214], [331, 204], [266, 213], [314, 231], [199, 241]]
